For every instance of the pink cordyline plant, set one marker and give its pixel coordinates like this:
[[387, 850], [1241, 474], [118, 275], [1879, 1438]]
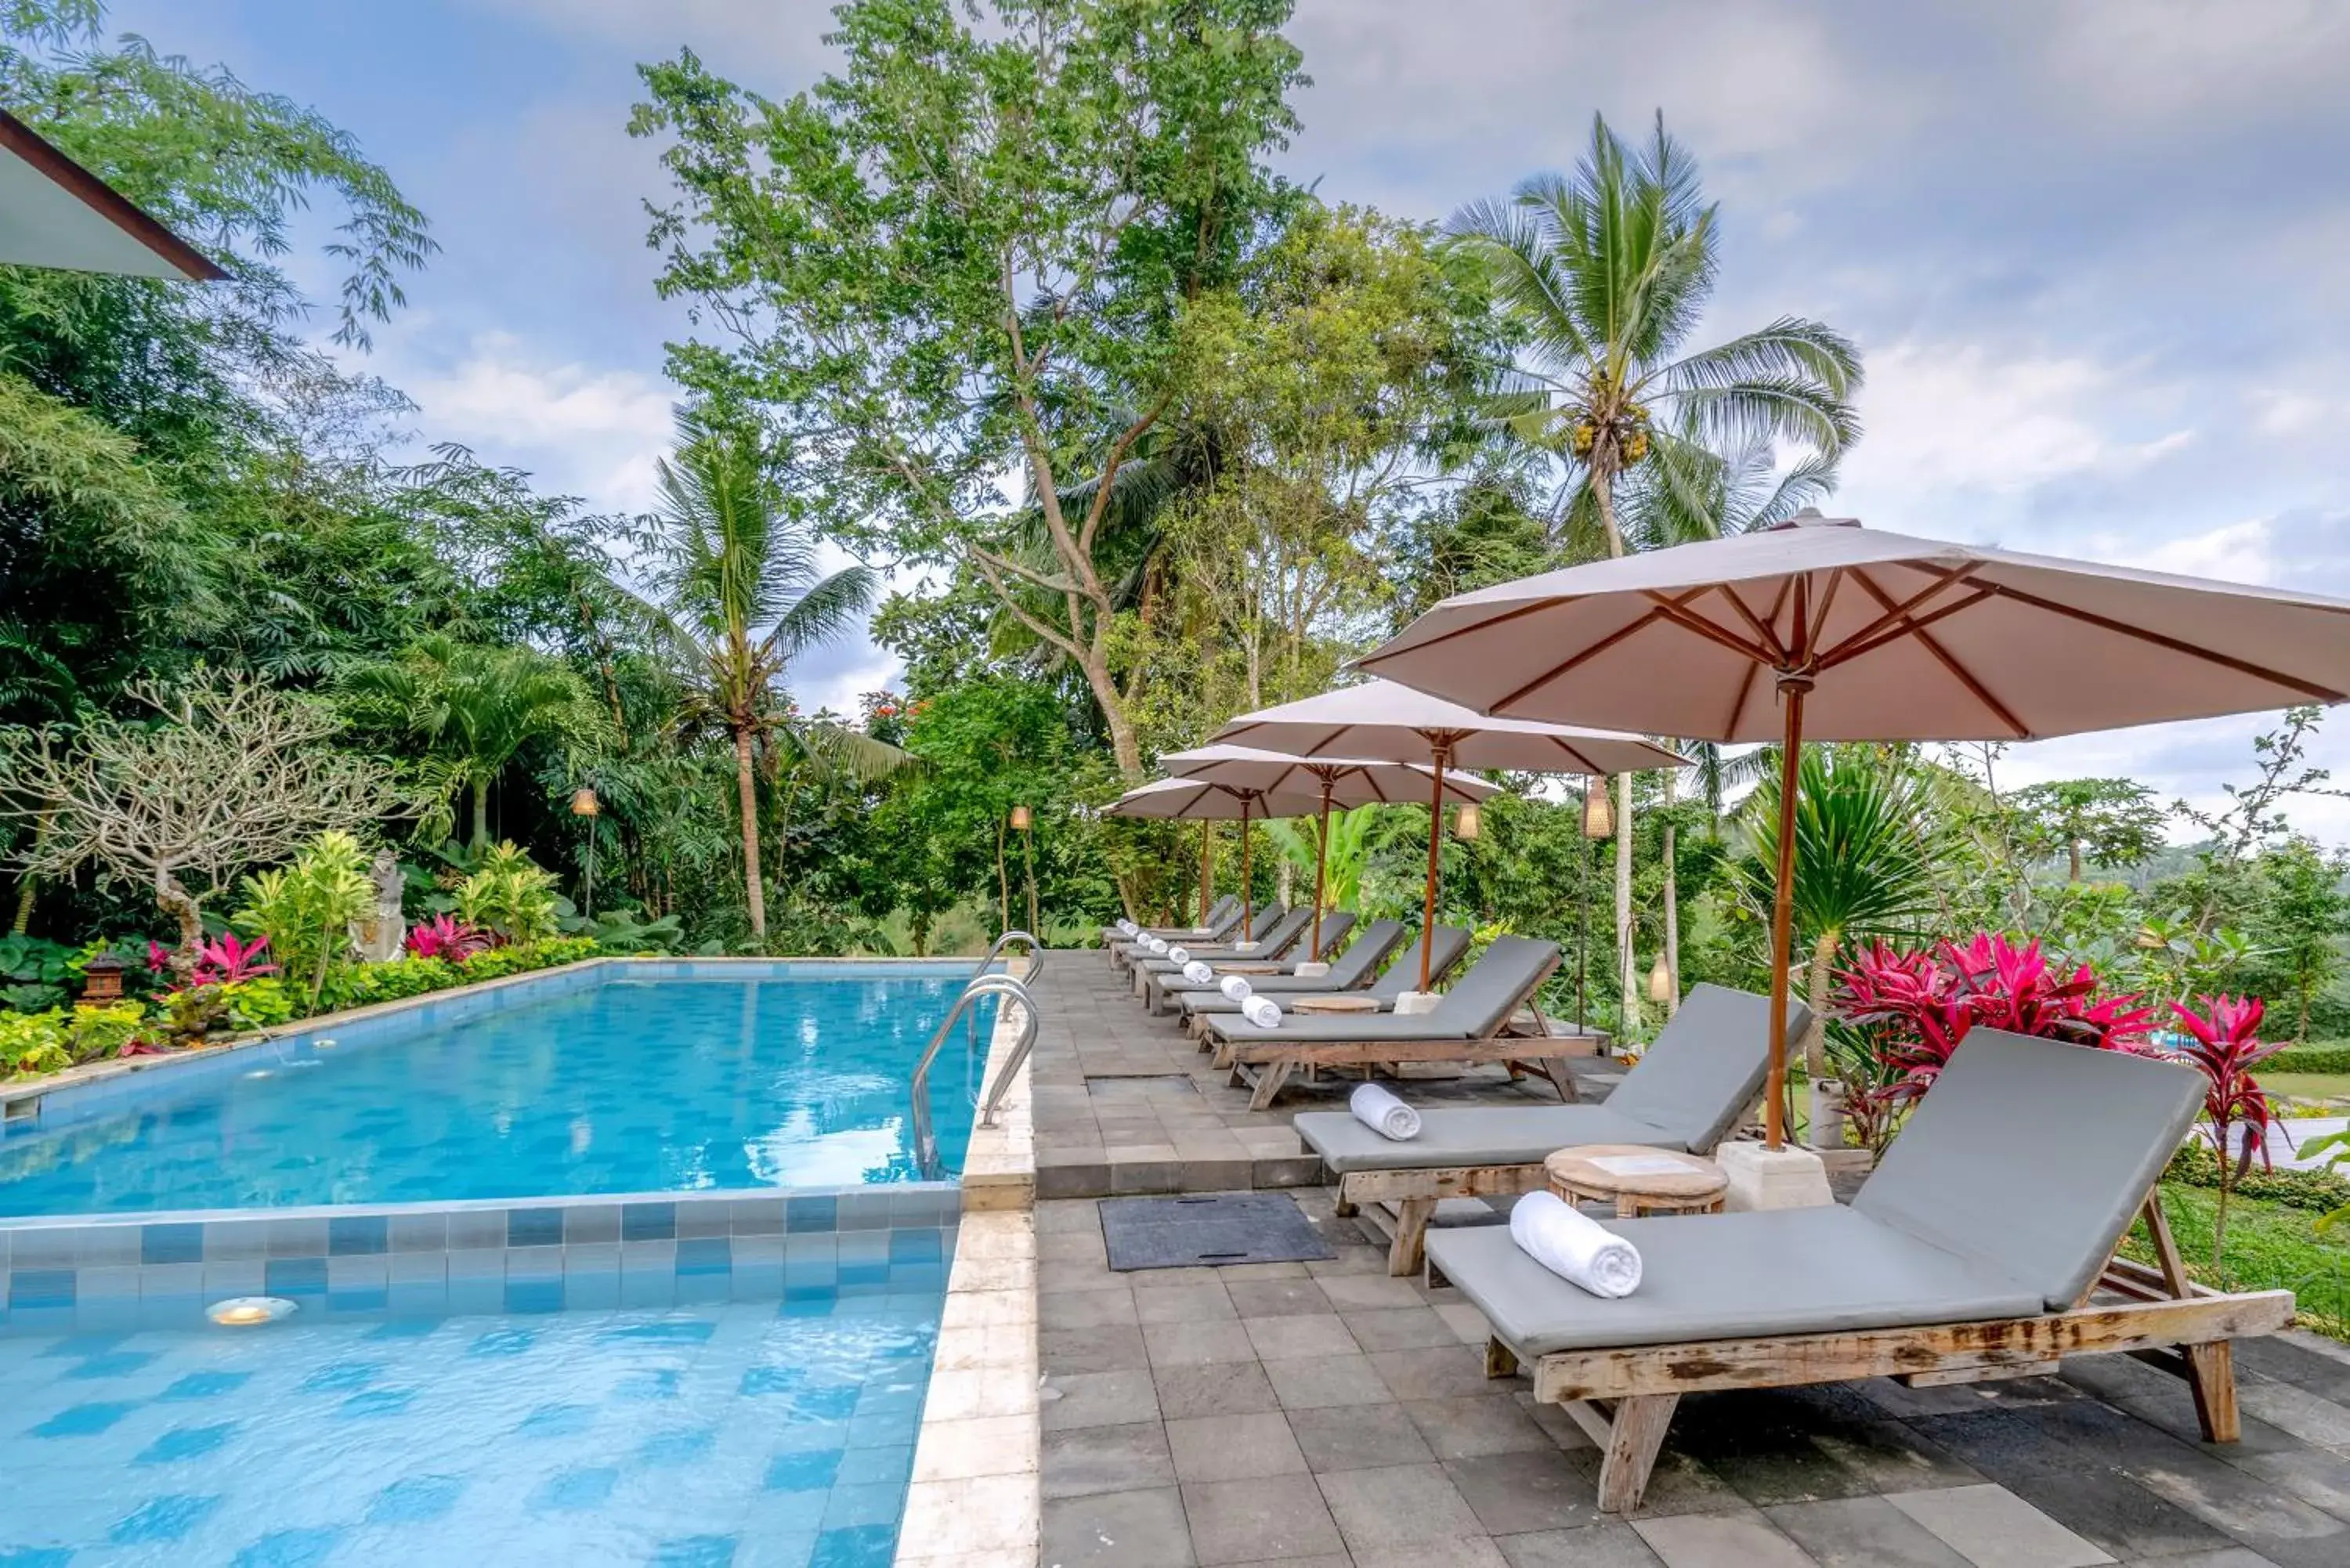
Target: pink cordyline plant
[[226, 959], [2224, 1043], [446, 936]]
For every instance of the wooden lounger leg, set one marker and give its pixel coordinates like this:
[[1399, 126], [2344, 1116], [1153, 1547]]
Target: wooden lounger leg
[[1409, 1249], [1500, 1361], [1269, 1080], [1346, 1208], [1636, 1433], [2211, 1374]]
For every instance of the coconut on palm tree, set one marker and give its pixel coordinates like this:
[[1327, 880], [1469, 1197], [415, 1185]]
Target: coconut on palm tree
[[741, 592], [1604, 274]]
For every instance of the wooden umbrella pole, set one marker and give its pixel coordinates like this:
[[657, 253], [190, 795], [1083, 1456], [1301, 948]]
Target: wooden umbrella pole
[[1791, 689], [1207, 873], [1435, 843], [1248, 892], [1321, 868]]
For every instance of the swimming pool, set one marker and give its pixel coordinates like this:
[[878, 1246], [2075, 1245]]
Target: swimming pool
[[677, 1081]]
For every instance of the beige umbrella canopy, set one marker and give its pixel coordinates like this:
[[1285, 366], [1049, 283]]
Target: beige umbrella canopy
[[1340, 781], [1203, 801], [1826, 628], [56, 214], [1382, 719]]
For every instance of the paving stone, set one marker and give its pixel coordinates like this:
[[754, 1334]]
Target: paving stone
[[1109, 1349], [1863, 1532], [1556, 1423], [1264, 1520], [1277, 1298], [1991, 1527], [2253, 1512], [2227, 1557], [1197, 1344], [1182, 1303], [1233, 1447], [1219, 1389], [1105, 1459], [1289, 1338], [2312, 1475], [1118, 1529], [1099, 1399], [2073, 1476], [1465, 1551], [1404, 1328], [1607, 1545], [1368, 1291], [1324, 1380], [1400, 1505], [1442, 1373], [1359, 1437], [2307, 1416], [1518, 1492], [1483, 1424], [1085, 1309], [1061, 1218], [1742, 1539]]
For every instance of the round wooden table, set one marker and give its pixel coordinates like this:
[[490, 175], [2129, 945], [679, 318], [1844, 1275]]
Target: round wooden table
[[1637, 1181], [1339, 1001]]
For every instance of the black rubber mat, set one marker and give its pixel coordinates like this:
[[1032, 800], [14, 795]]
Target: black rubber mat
[[1188, 1232]]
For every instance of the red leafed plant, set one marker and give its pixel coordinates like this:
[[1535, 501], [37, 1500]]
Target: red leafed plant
[[2224, 1043], [446, 936], [227, 959], [1914, 1008]]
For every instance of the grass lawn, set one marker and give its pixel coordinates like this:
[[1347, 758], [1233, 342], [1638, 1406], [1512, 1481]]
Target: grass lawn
[[2307, 1085], [2270, 1247]]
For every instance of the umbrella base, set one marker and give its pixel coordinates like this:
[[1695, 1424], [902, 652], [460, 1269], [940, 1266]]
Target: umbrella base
[[1416, 1002], [1763, 1177]]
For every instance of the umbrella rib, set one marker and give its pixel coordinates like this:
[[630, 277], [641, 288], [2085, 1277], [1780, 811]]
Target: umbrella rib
[[2241, 666], [1488, 622], [1581, 760], [1673, 610], [1846, 651], [1602, 645], [1915, 626], [1738, 703], [1893, 613], [1768, 633]]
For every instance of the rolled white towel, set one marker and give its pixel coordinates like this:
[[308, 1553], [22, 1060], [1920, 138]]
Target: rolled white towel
[[1383, 1113], [1197, 972], [1157, 945], [1129, 928], [1578, 1248], [1237, 988], [1178, 956], [1263, 1011]]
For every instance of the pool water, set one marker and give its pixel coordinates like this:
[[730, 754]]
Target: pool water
[[632, 1086], [770, 1434]]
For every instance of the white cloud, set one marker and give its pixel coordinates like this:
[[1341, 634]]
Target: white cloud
[[593, 432]]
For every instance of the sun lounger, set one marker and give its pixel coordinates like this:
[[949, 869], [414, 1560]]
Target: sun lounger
[[1222, 915], [1161, 980], [1272, 945], [1127, 950], [1972, 1253], [1687, 1092], [1451, 947], [1465, 1027]]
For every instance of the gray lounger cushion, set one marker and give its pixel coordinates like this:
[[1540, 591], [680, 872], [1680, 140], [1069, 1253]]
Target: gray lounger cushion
[[1454, 1136], [1402, 975], [1345, 972], [1730, 1276], [1272, 942], [1478, 1003], [1220, 913], [1133, 953], [1706, 1067], [2002, 1197]]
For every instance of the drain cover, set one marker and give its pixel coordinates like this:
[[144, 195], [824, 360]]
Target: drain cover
[[1187, 1232]]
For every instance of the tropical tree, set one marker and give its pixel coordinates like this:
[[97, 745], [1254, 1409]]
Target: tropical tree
[[741, 592], [1604, 274], [1864, 863], [473, 708], [2103, 822]]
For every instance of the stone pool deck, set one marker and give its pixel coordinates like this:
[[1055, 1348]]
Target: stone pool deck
[[1322, 1413]]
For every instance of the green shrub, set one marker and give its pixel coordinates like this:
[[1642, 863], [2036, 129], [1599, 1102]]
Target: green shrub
[[261, 1003], [2317, 1056], [35, 1042], [364, 984], [509, 895], [519, 958], [306, 908], [2317, 1190]]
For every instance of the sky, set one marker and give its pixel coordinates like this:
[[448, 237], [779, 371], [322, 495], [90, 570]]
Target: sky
[[2090, 250]]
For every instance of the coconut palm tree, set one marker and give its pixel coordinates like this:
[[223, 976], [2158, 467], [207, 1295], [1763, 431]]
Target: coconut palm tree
[[1603, 274], [740, 592]]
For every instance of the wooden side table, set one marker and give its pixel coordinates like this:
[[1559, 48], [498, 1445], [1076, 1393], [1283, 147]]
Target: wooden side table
[[1637, 1181], [1335, 1002]]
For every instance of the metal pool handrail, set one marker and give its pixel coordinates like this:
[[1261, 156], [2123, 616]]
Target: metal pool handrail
[[1035, 951], [926, 1142]]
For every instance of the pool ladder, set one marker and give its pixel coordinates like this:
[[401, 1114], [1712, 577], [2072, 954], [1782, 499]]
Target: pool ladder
[[982, 984]]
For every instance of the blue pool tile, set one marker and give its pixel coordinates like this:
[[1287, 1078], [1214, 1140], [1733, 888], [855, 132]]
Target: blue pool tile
[[914, 1246], [857, 1546], [771, 1380], [113, 1364], [184, 1443], [161, 1519], [811, 1214], [533, 1295], [667, 1450], [661, 1384], [206, 1385], [808, 1301], [377, 1402], [289, 1549], [591, 1224], [294, 1277], [358, 1302], [696, 1552], [83, 1420], [35, 1556], [647, 1221], [888, 1466], [556, 1421], [574, 1490], [810, 1471], [829, 1402], [31, 1289], [419, 1499], [74, 1346], [704, 1255], [405, 1328], [342, 1377], [357, 1235], [668, 1331], [502, 1342], [171, 1244], [534, 1228]]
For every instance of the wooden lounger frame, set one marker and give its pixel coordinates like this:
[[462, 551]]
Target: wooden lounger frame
[[1624, 1396]]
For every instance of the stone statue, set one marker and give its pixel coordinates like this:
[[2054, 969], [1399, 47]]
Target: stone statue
[[381, 936]]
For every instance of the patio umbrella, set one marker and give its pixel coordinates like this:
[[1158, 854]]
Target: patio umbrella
[[1824, 629], [1198, 799], [1344, 781], [1382, 719], [56, 214]]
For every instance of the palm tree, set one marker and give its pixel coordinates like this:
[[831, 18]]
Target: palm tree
[[741, 592], [473, 708], [1863, 864], [1603, 274]]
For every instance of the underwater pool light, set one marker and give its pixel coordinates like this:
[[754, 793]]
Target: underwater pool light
[[244, 1312]]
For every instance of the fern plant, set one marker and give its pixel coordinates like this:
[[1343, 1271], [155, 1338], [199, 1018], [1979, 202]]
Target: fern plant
[[306, 909]]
